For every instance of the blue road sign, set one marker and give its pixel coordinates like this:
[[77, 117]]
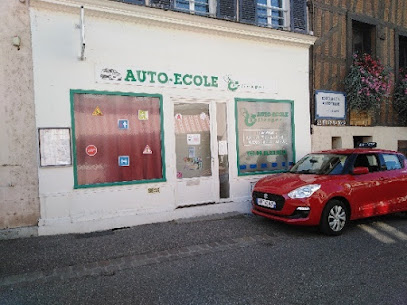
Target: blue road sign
[[124, 161], [123, 124]]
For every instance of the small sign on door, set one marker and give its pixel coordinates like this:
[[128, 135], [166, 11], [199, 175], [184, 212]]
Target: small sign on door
[[194, 139]]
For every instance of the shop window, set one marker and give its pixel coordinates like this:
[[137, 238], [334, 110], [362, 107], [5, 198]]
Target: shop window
[[403, 53], [271, 13], [193, 6], [118, 138], [264, 131], [363, 38]]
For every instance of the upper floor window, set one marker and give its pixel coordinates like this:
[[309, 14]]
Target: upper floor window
[[363, 38], [194, 6], [272, 13], [281, 14]]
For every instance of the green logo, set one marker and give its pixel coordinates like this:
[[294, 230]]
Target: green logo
[[262, 117], [232, 84], [249, 119]]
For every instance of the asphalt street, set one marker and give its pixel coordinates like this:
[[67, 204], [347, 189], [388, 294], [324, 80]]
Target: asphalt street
[[222, 259]]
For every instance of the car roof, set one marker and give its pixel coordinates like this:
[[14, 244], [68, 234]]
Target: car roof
[[349, 151]]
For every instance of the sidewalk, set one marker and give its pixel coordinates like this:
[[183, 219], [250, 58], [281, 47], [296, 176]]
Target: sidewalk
[[64, 257]]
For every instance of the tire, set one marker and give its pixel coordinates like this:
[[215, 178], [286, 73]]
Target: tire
[[334, 218]]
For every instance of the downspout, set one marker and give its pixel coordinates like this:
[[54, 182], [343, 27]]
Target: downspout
[[310, 13]]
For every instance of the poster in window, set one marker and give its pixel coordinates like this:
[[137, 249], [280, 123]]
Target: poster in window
[[265, 140], [55, 146], [120, 136]]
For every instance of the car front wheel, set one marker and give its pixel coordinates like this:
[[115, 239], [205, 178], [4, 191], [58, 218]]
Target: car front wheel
[[334, 217]]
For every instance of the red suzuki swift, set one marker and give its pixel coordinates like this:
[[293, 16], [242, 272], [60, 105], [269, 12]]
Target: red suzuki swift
[[329, 188]]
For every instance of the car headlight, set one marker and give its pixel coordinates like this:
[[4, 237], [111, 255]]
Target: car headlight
[[304, 191]]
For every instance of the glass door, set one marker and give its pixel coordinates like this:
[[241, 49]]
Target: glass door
[[197, 176]]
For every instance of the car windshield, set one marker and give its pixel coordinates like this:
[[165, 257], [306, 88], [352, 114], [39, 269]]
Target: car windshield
[[320, 164]]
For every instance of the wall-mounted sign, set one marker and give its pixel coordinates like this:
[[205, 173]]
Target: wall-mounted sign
[[55, 146], [189, 79], [330, 122], [330, 105], [153, 190]]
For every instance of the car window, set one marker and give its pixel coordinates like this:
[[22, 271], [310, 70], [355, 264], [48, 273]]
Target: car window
[[320, 164], [367, 160], [391, 161]]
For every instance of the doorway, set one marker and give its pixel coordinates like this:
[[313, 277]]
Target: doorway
[[201, 151]]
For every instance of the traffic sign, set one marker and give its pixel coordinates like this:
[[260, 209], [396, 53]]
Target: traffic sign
[[123, 124], [91, 150], [124, 161]]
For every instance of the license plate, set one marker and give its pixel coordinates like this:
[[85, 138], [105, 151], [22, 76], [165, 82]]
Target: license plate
[[266, 203]]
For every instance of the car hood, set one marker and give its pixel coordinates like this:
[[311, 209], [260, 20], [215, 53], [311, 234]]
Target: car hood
[[287, 182]]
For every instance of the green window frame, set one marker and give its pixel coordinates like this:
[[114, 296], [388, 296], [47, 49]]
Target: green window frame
[[265, 136], [126, 124]]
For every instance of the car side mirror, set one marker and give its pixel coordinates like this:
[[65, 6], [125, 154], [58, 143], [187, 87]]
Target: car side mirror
[[360, 170]]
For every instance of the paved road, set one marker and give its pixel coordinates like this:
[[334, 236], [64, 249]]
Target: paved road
[[224, 259]]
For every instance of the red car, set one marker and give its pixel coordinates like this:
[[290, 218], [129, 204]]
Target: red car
[[329, 188]]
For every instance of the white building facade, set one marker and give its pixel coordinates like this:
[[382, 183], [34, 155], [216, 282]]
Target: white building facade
[[148, 115]]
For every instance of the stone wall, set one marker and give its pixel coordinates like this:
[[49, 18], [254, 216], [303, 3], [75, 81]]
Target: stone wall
[[19, 202]]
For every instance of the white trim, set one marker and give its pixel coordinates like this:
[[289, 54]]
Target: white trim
[[143, 14]]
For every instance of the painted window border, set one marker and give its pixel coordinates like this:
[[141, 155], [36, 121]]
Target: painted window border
[[75, 172], [252, 100]]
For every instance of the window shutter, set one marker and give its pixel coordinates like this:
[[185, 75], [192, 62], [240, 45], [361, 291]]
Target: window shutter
[[227, 9], [161, 3], [247, 9], [299, 15], [139, 2]]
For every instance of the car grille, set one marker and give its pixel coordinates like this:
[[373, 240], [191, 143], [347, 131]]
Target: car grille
[[277, 198]]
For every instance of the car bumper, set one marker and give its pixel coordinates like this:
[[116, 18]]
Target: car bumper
[[292, 212]]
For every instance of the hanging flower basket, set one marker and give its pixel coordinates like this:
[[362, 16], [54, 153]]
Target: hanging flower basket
[[367, 84], [400, 97]]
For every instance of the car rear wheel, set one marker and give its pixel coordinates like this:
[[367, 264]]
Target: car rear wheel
[[334, 218]]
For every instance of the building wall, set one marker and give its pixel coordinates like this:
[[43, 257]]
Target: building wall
[[133, 36], [331, 53], [19, 202], [386, 137]]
